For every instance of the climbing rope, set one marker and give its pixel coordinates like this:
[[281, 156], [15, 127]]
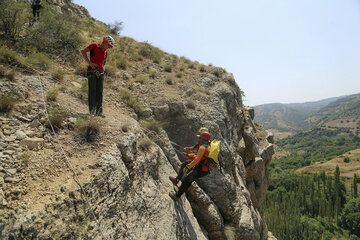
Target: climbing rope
[[75, 176]]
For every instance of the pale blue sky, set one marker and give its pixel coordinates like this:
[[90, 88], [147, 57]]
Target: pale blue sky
[[278, 50]]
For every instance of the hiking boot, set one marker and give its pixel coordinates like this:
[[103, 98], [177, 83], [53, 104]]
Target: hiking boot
[[176, 188], [174, 180], [173, 196]]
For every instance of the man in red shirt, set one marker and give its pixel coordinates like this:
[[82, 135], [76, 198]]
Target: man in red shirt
[[95, 72]]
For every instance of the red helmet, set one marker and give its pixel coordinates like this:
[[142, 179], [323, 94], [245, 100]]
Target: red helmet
[[205, 135]]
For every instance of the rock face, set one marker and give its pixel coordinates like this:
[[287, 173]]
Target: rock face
[[129, 196]]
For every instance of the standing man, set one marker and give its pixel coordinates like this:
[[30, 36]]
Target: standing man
[[36, 6], [95, 72]]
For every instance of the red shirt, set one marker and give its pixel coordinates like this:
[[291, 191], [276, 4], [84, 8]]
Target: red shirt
[[97, 55]]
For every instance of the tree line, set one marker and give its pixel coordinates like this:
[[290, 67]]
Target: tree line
[[313, 206]]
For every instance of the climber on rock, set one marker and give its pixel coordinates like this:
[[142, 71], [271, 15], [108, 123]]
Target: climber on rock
[[195, 148], [196, 167], [191, 156]]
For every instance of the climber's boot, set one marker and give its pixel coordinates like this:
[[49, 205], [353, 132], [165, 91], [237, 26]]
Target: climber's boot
[[174, 180], [173, 196]]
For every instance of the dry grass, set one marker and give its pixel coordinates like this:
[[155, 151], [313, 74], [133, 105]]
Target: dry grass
[[8, 74], [25, 158], [81, 69], [83, 91], [130, 100], [144, 144], [58, 74], [110, 70], [39, 60], [140, 79], [152, 74], [88, 128], [10, 57], [179, 75], [167, 67], [202, 90], [153, 124], [52, 94], [8, 100], [190, 104], [169, 81], [56, 117]]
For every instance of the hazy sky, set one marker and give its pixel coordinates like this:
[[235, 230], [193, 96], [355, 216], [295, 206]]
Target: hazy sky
[[278, 50]]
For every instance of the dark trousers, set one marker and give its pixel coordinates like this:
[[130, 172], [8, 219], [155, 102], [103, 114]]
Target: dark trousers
[[36, 10], [95, 93], [191, 175]]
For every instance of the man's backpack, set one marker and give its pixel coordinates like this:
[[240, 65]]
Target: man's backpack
[[214, 152]]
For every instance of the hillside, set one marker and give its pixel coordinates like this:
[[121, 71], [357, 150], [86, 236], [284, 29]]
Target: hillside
[[107, 178], [293, 117], [342, 113], [349, 164]]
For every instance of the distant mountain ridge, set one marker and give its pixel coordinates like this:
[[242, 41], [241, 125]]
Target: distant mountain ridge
[[301, 116]]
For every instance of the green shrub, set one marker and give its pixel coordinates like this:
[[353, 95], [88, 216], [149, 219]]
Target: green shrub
[[39, 60], [153, 125], [56, 117], [13, 18], [10, 57], [202, 68], [116, 27], [8, 100], [56, 34], [88, 128]]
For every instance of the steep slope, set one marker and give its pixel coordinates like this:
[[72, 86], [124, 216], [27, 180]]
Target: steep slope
[[125, 169]]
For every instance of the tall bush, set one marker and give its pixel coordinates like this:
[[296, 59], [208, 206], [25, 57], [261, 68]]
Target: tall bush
[[55, 34], [13, 18]]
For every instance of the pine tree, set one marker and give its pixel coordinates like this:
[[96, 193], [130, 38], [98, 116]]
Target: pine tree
[[355, 190], [337, 194]]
